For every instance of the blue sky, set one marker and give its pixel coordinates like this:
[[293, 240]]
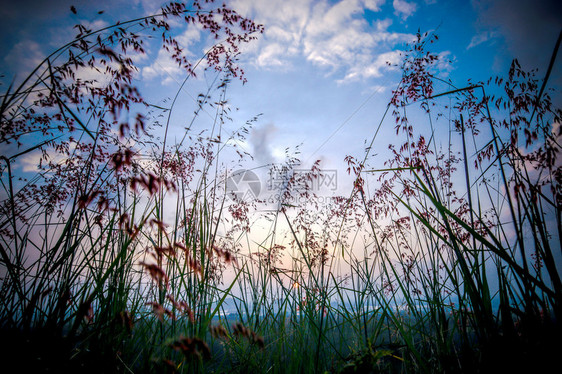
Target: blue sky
[[319, 73]]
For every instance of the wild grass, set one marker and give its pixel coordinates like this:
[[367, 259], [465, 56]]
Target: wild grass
[[444, 259]]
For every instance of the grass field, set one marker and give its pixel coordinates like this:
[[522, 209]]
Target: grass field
[[120, 256]]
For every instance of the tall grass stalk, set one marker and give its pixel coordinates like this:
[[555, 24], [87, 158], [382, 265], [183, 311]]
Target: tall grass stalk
[[116, 250]]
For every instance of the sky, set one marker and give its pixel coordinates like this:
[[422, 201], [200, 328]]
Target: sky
[[319, 76]]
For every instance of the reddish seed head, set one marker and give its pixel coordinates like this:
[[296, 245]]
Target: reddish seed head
[[156, 273]]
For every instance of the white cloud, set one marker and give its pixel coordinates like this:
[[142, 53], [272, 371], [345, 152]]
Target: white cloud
[[271, 55], [335, 37], [481, 38], [94, 25], [285, 22], [30, 162], [374, 5], [445, 63], [403, 8], [260, 140], [24, 57], [377, 88], [164, 67], [375, 68], [149, 6]]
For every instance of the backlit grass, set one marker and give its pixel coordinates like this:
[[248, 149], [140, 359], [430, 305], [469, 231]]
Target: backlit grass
[[125, 254]]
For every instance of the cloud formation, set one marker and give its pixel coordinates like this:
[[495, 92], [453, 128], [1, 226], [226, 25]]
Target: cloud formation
[[334, 36], [260, 140], [482, 37], [404, 9], [24, 56], [164, 67]]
